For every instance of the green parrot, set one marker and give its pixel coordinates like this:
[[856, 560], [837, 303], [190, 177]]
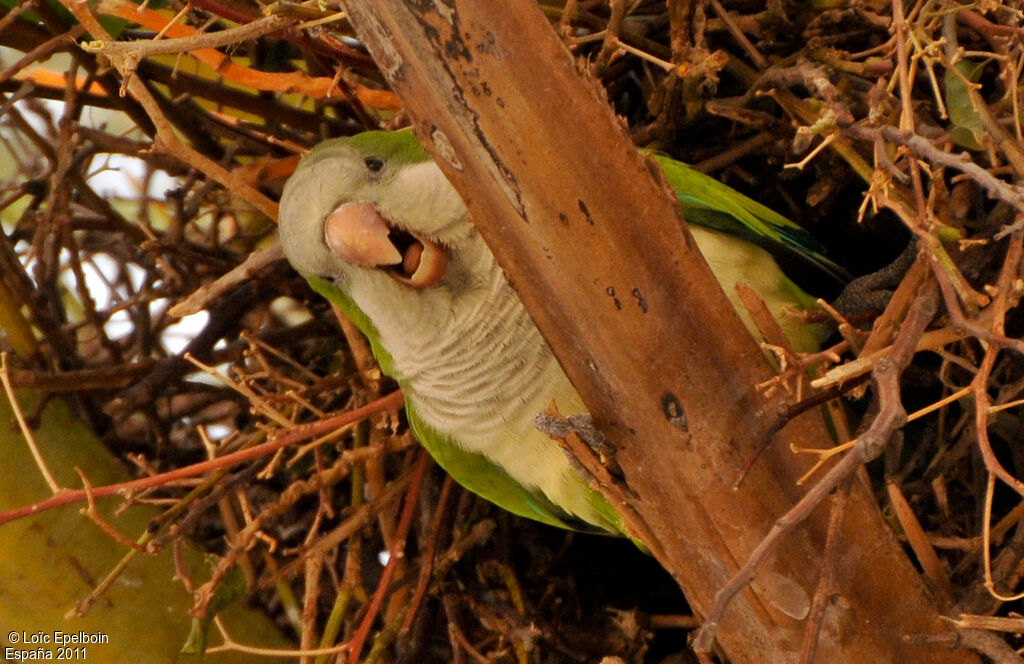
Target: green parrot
[[376, 228]]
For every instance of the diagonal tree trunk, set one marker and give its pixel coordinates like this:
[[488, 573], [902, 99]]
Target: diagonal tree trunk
[[590, 241]]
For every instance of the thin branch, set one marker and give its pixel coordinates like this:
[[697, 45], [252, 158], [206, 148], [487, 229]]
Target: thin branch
[[67, 496], [127, 54]]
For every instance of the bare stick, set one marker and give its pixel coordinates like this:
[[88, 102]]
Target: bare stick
[[144, 48], [65, 497]]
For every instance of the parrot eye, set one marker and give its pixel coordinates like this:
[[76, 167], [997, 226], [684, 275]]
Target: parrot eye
[[375, 164]]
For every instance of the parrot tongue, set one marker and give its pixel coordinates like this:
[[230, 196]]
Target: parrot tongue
[[358, 234]]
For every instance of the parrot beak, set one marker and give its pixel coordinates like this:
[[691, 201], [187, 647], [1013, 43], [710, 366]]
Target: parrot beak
[[358, 234]]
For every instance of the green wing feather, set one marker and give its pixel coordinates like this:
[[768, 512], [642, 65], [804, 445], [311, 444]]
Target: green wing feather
[[470, 469], [481, 476], [706, 201]]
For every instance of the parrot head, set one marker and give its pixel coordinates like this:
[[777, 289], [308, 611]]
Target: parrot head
[[373, 207]]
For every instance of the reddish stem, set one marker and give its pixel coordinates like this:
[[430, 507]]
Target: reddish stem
[[395, 554], [68, 496]]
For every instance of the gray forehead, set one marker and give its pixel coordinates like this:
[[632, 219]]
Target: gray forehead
[[310, 194]]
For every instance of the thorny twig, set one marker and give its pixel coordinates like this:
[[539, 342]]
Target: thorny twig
[[925, 149], [68, 496], [166, 136]]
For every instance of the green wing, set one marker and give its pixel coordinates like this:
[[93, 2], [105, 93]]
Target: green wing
[[481, 476], [470, 469], [706, 201]]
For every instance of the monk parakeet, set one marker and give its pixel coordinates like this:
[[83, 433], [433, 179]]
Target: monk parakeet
[[375, 227]]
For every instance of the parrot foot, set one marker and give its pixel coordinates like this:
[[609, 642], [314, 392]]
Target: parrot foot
[[872, 292], [552, 424], [582, 424]]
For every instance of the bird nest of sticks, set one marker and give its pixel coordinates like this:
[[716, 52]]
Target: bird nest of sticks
[[145, 149]]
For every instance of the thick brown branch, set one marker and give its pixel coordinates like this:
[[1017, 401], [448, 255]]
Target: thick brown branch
[[533, 146]]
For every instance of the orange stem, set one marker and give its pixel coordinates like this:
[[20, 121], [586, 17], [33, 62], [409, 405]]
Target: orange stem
[[297, 82], [395, 554], [68, 496]]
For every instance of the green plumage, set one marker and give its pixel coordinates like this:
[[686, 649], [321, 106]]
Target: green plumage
[[706, 201], [472, 364]]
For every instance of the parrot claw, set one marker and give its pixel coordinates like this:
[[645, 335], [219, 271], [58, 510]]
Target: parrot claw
[[872, 292], [581, 424]]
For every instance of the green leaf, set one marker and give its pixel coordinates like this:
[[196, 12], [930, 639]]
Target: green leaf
[[52, 559], [968, 130], [229, 591]]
